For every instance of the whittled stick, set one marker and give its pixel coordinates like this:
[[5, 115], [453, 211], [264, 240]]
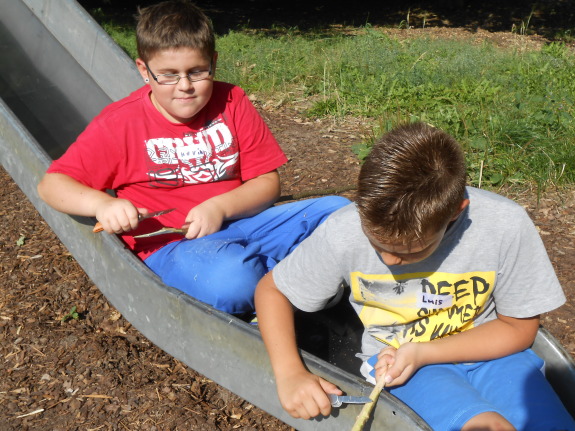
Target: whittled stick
[[367, 408]]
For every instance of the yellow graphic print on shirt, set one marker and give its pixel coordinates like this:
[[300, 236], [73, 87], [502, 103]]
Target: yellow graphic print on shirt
[[420, 306]]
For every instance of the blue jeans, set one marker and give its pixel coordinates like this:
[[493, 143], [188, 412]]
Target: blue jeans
[[224, 268], [446, 396]]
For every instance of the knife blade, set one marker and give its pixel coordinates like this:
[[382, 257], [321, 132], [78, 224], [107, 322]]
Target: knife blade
[[338, 400], [99, 228]]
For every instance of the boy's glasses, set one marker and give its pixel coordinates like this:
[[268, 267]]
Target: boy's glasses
[[172, 79]]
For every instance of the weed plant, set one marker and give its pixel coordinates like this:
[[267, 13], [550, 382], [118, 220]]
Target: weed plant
[[512, 109]]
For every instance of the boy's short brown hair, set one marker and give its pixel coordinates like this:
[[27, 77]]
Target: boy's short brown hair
[[411, 184], [174, 24]]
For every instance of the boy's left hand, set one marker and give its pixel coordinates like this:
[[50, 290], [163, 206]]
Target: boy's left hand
[[398, 365], [204, 219]]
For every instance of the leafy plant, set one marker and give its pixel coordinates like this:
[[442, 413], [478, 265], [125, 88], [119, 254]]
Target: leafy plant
[[72, 314]]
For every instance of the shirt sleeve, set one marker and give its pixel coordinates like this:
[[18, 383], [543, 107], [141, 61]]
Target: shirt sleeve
[[260, 152], [91, 159], [311, 275], [527, 284]]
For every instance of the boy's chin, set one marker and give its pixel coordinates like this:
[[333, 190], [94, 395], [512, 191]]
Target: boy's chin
[[180, 117], [183, 115]]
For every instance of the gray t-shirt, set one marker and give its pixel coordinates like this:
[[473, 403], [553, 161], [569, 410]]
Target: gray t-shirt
[[490, 259]]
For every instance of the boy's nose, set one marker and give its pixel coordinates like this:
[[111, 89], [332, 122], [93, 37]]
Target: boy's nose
[[185, 83], [390, 259]]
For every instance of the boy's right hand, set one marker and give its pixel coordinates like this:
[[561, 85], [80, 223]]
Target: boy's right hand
[[118, 215], [303, 395]]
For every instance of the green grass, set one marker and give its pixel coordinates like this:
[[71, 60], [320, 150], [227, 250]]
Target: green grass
[[124, 37], [512, 110]]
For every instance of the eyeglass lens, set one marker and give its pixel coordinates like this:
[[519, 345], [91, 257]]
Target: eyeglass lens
[[174, 79]]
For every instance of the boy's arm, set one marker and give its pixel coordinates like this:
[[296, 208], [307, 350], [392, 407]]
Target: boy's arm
[[302, 394], [249, 199], [492, 340], [65, 194]]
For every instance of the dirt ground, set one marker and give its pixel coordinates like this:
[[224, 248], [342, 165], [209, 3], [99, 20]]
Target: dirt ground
[[97, 372]]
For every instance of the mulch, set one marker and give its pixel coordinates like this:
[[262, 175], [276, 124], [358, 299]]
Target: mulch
[[97, 372]]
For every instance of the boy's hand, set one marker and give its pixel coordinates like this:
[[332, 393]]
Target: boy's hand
[[398, 365], [303, 395], [204, 219], [119, 215]]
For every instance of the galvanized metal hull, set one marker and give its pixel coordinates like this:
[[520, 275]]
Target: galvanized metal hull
[[56, 62]]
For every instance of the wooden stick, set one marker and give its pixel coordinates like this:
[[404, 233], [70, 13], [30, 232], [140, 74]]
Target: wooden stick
[[35, 412], [367, 408]]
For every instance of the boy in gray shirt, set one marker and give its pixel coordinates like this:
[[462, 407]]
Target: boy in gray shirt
[[448, 280]]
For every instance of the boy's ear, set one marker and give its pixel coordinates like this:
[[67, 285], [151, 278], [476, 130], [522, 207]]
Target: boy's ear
[[462, 206], [142, 69]]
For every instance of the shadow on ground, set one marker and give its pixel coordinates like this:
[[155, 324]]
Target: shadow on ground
[[552, 19]]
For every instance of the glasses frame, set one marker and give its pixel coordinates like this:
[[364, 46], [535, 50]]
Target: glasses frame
[[189, 75]]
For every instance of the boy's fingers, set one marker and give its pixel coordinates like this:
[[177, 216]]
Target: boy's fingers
[[193, 231], [387, 351], [329, 388], [303, 410], [324, 405], [383, 371], [323, 402], [311, 405], [143, 212], [398, 375], [309, 411], [127, 227], [314, 406], [379, 372], [123, 222]]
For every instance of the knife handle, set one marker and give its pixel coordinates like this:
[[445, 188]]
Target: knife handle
[[334, 399]]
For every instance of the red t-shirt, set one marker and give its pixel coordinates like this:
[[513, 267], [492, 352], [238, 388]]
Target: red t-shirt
[[131, 148]]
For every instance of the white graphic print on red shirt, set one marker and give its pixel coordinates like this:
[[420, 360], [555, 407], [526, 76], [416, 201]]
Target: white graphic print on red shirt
[[205, 156]]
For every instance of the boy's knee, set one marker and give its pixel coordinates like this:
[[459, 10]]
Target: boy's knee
[[232, 285], [488, 421], [227, 282]]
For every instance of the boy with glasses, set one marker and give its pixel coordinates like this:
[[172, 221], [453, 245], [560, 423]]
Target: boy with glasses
[[187, 142], [448, 280]]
